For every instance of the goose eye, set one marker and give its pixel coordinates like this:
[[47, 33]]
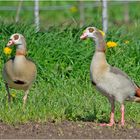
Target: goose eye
[[16, 37], [91, 30]]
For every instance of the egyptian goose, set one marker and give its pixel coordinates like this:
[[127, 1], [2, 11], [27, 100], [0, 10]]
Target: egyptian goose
[[110, 81], [19, 72]]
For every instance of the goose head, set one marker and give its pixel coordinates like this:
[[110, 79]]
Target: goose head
[[97, 35], [16, 39], [92, 32]]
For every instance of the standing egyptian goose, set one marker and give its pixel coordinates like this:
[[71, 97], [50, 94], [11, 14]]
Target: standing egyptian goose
[[19, 72], [110, 81]]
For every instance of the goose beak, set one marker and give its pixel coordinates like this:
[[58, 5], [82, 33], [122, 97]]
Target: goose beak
[[83, 36], [10, 43]]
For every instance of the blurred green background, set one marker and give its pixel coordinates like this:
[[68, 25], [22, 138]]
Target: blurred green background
[[67, 12]]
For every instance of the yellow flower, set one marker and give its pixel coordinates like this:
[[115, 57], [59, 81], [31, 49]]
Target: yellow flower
[[73, 9], [111, 44], [7, 50], [126, 42], [13, 95]]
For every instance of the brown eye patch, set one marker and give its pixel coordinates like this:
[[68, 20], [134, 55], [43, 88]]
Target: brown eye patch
[[16, 37], [91, 30]]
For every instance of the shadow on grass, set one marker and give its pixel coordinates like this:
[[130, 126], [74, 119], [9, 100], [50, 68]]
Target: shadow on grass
[[88, 118], [85, 116]]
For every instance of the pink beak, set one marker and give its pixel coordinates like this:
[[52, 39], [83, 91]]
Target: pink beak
[[83, 36], [10, 43]]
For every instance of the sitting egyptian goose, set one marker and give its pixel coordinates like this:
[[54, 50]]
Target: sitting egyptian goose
[[19, 72], [110, 81]]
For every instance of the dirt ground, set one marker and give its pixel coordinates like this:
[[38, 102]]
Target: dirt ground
[[69, 130]]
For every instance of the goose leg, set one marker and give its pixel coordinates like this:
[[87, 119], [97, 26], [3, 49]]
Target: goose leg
[[122, 115], [7, 89], [25, 97], [112, 122]]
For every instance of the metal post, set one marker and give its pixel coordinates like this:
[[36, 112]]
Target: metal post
[[126, 12], [18, 11], [36, 13], [104, 16], [82, 14]]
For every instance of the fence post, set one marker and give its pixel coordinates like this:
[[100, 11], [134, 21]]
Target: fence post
[[104, 16], [18, 11], [36, 13], [82, 14], [126, 12]]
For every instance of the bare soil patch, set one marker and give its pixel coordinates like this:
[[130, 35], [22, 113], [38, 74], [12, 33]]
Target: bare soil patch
[[68, 129]]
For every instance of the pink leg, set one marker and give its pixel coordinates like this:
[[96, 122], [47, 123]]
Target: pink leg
[[111, 116], [122, 112]]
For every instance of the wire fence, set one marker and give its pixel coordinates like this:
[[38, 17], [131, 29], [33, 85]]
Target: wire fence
[[81, 6], [57, 7]]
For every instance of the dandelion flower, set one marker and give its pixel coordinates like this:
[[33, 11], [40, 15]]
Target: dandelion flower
[[111, 44], [126, 42], [13, 95], [73, 9], [7, 50]]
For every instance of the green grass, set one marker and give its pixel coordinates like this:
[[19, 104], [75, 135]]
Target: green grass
[[62, 89]]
